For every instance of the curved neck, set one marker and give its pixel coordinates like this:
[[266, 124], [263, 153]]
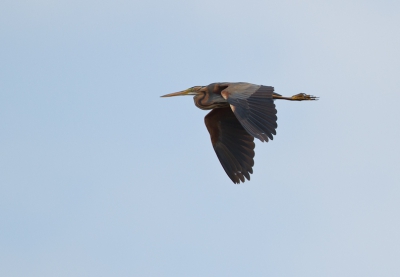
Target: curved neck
[[208, 101]]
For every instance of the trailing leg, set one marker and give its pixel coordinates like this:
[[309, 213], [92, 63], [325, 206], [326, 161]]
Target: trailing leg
[[297, 97]]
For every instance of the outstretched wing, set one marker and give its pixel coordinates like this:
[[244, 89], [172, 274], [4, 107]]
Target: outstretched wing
[[254, 107], [232, 144]]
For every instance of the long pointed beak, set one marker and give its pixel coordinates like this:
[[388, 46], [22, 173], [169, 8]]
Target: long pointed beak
[[183, 92], [189, 91]]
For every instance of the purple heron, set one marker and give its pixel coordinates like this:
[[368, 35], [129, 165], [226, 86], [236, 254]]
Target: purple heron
[[240, 113]]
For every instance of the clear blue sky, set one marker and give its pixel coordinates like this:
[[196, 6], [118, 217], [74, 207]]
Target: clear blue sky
[[101, 177]]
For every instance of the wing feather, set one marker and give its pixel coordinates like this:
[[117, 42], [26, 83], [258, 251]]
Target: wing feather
[[233, 145], [254, 107]]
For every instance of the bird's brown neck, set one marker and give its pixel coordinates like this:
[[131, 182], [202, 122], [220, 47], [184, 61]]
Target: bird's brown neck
[[203, 101]]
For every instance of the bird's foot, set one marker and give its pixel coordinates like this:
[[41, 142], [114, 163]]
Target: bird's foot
[[303, 96]]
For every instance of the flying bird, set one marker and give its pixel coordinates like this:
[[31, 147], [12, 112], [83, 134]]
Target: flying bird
[[240, 113]]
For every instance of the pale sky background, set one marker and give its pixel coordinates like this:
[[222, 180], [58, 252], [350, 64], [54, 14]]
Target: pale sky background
[[101, 177]]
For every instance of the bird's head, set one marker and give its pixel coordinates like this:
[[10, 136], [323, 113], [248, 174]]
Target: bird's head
[[196, 90]]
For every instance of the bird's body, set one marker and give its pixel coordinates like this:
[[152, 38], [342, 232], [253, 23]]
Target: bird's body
[[240, 112]]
